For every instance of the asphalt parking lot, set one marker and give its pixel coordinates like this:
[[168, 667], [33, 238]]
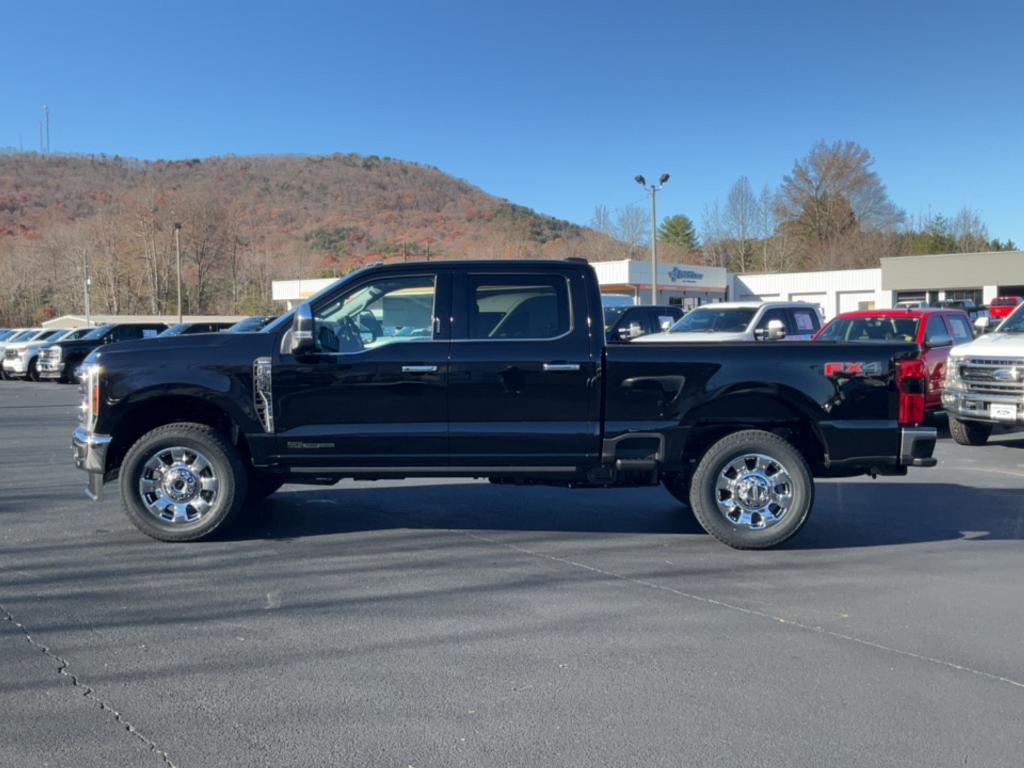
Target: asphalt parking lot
[[455, 623]]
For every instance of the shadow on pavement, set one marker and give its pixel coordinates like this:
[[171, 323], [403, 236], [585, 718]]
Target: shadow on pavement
[[851, 514]]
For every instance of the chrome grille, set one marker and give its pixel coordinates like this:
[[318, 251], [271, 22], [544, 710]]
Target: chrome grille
[[993, 376], [50, 353], [11, 354]]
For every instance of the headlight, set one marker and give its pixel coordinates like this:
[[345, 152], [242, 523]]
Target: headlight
[[952, 372], [90, 396]]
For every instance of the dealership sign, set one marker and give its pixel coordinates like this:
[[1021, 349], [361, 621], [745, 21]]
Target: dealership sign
[[680, 275]]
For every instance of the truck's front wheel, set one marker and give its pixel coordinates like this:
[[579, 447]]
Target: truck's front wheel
[[182, 482], [970, 432], [752, 490]]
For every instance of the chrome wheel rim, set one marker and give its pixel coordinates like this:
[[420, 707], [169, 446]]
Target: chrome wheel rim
[[754, 491], [178, 486]]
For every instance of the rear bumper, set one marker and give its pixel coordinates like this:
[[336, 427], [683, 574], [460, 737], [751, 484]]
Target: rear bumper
[[90, 454], [917, 444]]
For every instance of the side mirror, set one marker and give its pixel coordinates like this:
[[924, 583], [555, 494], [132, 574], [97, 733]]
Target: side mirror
[[631, 331], [983, 324], [939, 341], [774, 331], [302, 339]]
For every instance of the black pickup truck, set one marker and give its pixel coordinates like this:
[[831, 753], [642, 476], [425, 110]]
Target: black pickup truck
[[489, 369], [59, 361]]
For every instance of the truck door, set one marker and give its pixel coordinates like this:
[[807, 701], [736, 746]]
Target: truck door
[[374, 393], [523, 384]]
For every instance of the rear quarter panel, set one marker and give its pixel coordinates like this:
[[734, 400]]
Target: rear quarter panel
[[678, 388]]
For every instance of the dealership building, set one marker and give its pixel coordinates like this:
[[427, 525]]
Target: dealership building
[[976, 276]]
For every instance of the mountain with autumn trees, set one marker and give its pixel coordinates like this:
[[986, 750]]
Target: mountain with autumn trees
[[244, 222]]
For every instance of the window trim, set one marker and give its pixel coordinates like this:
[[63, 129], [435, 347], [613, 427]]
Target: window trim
[[568, 296]]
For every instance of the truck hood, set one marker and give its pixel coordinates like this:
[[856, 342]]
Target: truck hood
[[186, 349], [998, 344], [691, 337]]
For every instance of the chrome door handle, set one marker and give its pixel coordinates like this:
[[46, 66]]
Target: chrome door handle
[[419, 369], [555, 367]]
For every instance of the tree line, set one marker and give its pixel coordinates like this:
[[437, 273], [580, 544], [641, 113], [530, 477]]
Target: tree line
[[832, 211]]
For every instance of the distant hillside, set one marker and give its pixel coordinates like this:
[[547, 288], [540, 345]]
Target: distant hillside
[[245, 221]]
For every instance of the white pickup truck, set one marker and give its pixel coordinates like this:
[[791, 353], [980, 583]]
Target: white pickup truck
[[984, 383]]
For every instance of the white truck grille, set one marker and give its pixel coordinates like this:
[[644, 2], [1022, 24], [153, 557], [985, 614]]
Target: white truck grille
[[993, 376]]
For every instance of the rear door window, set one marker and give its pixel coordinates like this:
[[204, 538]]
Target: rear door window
[[517, 307], [803, 322]]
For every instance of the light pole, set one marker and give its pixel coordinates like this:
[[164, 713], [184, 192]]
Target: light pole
[[177, 251], [654, 189]]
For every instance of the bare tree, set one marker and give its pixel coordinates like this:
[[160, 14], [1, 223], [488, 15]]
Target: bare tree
[[741, 219], [601, 221], [713, 236], [969, 231], [631, 225]]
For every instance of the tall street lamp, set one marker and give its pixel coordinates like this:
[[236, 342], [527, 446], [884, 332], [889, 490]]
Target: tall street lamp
[[654, 189], [177, 251]]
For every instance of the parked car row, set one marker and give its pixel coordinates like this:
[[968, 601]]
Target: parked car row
[[54, 354]]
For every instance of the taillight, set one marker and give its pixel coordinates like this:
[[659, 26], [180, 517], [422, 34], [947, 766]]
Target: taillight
[[910, 383]]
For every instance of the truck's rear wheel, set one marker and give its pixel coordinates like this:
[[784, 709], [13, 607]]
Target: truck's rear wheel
[[182, 482], [752, 490], [970, 432]]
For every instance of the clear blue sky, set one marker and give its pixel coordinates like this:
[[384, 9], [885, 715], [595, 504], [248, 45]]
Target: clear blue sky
[[554, 105]]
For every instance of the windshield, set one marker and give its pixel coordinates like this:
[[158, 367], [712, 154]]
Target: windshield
[[871, 329], [612, 315], [25, 335], [4, 335], [1014, 323], [1007, 301], [249, 324], [98, 333], [76, 333], [175, 330], [712, 320]]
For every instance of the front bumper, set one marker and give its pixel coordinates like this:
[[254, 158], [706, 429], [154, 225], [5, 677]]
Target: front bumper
[[15, 367], [917, 444], [50, 369], [974, 406], [90, 452]]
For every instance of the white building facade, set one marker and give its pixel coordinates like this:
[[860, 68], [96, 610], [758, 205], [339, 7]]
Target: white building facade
[[845, 290]]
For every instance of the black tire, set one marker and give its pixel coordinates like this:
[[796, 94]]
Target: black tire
[[33, 372], [767, 527], [970, 432], [214, 510], [261, 485], [678, 484]]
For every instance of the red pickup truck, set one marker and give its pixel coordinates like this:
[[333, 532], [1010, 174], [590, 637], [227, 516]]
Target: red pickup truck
[[1003, 306], [935, 330]]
